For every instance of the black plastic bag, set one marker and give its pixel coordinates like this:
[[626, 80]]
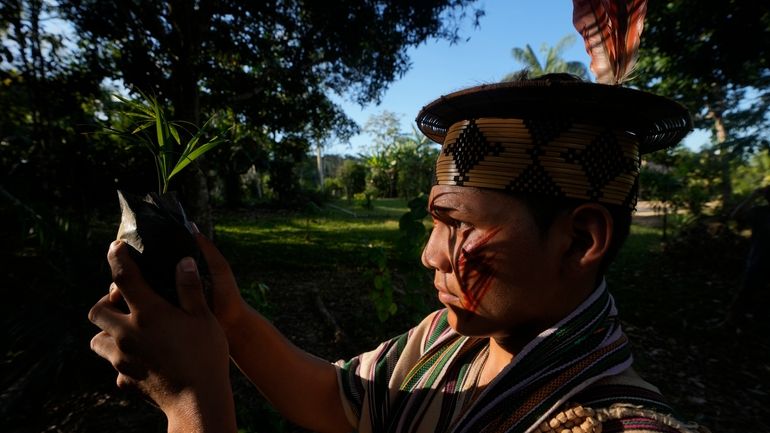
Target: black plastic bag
[[159, 234]]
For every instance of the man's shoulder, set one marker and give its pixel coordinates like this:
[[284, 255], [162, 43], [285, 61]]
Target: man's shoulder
[[620, 403]]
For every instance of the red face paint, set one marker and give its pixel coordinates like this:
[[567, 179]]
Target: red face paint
[[474, 270], [472, 266]]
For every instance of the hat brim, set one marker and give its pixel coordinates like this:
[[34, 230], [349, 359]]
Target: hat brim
[[658, 122]]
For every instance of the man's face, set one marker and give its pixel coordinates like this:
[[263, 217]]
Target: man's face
[[494, 271]]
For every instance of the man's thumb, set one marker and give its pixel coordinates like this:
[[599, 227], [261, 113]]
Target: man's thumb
[[189, 287]]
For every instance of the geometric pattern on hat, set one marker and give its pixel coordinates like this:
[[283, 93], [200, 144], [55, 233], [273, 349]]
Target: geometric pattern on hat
[[551, 158], [470, 148], [602, 161], [535, 179], [544, 131]]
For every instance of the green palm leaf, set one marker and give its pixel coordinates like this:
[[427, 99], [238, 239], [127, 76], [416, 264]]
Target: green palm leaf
[[147, 112]]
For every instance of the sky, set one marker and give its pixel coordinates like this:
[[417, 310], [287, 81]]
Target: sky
[[439, 68]]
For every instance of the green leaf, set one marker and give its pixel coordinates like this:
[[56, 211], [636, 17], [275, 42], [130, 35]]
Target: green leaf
[[174, 133], [192, 143], [159, 127], [192, 156], [393, 309], [142, 127]]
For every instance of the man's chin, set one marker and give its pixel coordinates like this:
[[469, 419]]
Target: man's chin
[[465, 322]]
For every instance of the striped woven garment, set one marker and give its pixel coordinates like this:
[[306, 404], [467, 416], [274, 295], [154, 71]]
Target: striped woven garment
[[425, 380]]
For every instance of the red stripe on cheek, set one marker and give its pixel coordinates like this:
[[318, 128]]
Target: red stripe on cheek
[[475, 271]]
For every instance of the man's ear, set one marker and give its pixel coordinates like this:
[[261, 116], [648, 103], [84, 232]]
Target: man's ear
[[591, 225]]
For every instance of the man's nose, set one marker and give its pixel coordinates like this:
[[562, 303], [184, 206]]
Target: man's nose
[[436, 254]]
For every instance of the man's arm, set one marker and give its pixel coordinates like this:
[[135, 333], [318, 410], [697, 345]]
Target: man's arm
[[302, 387], [299, 385]]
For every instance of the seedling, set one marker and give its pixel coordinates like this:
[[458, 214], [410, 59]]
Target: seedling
[[155, 225], [149, 116]]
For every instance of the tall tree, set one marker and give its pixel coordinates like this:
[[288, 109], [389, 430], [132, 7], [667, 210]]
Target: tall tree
[[272, 62], [400, 164], [715, 60], [553, 60], [46, 91]]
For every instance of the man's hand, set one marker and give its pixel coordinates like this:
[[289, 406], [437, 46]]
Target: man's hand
[[177, 356], [227, 304]]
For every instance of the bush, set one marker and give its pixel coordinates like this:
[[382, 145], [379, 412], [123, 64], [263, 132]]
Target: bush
[[353, 177], [333, 186]]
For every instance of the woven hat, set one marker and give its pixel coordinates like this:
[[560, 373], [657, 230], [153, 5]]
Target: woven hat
[[555, 135]]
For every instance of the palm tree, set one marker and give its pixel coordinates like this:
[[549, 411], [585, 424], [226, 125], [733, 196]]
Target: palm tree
[[553, 60]]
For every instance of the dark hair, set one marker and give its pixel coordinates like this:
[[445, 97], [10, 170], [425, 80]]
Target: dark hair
[[545, 210]]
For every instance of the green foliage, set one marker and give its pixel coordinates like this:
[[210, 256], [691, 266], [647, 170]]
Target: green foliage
[[147, 114], [285, 156], [399, 164], [257, 295], [415, 162], [364, 199], [691, 53], [754, 174], [412, 232], [271, 62], [405, 264], [379, 274], [413, 235], [51, 176], [334, 186], [352, 175], [240, 164], [681, 178], [380, 177]]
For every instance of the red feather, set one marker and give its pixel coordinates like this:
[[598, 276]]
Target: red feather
[[611, 31]]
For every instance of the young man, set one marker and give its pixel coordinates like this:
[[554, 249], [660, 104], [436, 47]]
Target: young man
[[534, 189]]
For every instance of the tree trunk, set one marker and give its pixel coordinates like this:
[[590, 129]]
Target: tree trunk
[[320, 163], [232, 186], [186, 102], [724, 158], [194, 192]]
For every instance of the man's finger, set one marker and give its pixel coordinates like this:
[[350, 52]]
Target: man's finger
[[124, 382], [126, 274], [115, 296], [106, 316], [105, 345], [189, 287], [216, 262]]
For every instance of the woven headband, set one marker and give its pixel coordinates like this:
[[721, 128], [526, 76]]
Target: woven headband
[[555, 158], [554, 135]]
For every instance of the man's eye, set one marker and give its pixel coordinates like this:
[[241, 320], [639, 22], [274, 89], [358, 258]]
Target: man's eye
[[462, 225], [451, 222]]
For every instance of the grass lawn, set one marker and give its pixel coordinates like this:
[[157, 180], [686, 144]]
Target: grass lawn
[[318, 240]]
